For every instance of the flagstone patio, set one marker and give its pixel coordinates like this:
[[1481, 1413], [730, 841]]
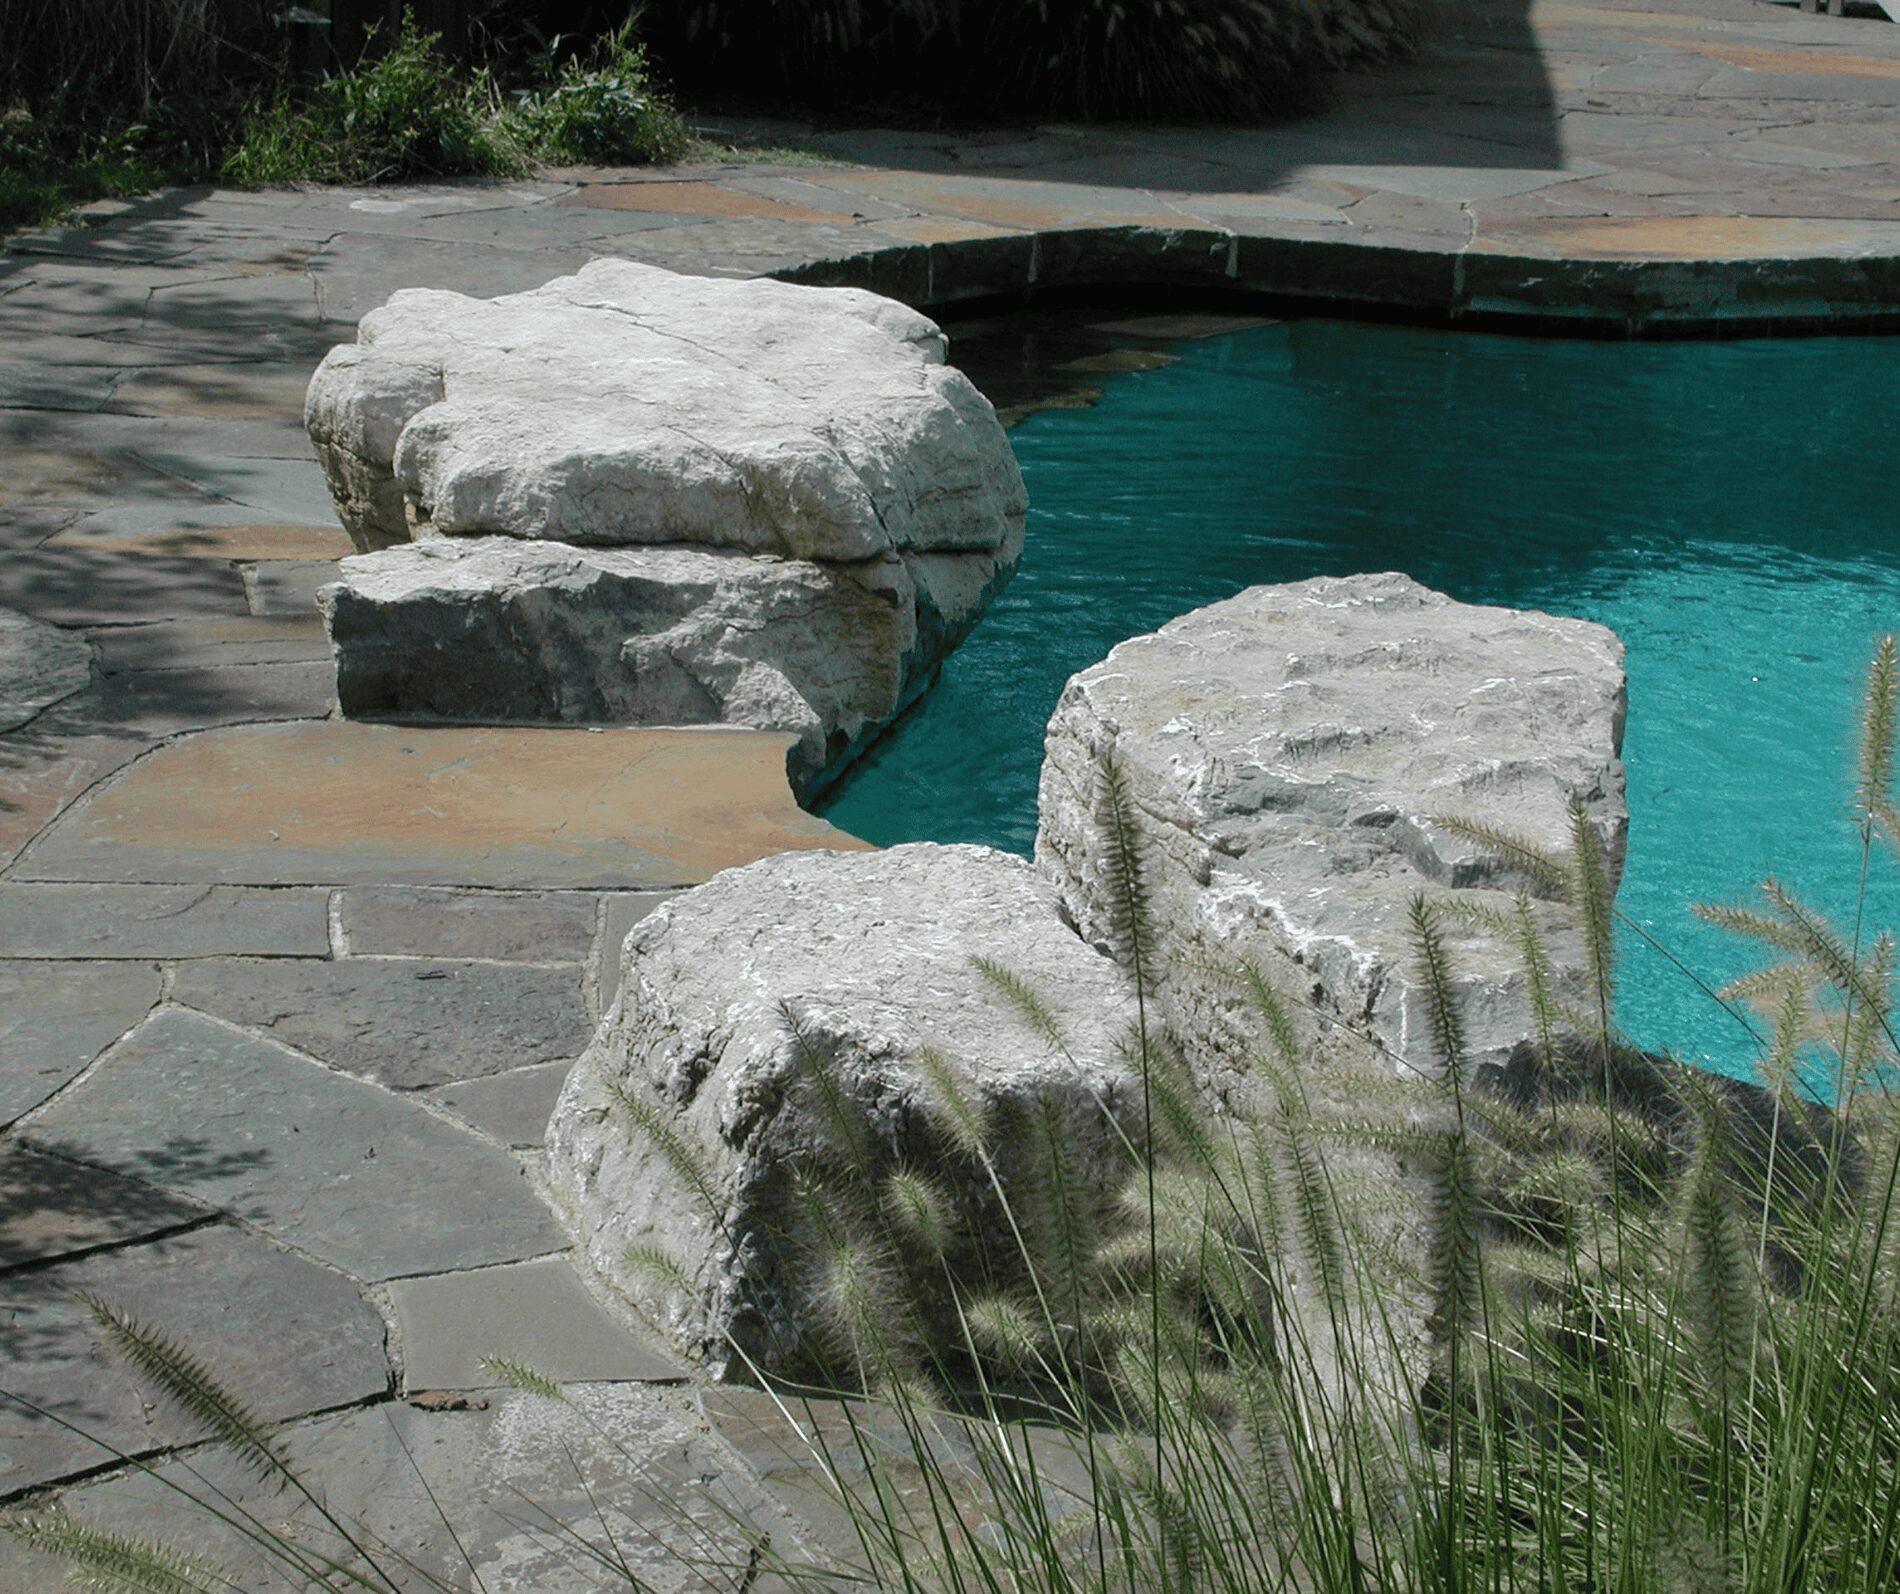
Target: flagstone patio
[[285, 1000]]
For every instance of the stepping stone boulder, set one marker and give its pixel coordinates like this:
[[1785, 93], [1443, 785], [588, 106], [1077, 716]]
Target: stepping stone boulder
[[726, 453], [1287, 756], [871, 957]]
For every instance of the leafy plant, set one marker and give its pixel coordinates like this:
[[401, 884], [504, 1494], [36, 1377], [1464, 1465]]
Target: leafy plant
[[403, 113], [602, 108]]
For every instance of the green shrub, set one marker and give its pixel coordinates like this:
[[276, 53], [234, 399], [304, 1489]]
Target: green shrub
[[118, 96], [403, 113], [122, 58], [45, 171], [603, 108]]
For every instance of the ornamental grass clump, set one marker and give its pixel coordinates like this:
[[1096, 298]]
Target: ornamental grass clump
[[1588, 1320]]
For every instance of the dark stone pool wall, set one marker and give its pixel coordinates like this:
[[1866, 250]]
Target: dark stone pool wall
[[1709, 297]]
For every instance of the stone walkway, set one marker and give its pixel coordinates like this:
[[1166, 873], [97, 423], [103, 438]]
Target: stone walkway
[[284, 1001]]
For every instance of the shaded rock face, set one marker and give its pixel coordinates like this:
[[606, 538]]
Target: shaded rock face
[[631, 410], [496, 628], [1286, 753], [872, 953]]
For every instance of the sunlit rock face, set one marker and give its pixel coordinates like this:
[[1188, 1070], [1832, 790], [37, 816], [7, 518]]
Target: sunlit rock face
[[1288, 757]]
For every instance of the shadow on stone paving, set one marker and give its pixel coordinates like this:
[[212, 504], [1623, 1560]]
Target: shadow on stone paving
[[183, 1160], [52, 1207]]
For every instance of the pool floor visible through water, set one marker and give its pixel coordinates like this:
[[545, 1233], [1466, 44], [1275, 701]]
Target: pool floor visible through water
[[1728, 508]]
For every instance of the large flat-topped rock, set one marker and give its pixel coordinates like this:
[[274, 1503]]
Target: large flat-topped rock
[[626, 404], [636, 496], [1288, 753]]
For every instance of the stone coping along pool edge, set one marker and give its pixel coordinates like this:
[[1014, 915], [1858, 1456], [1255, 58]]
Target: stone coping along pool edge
[[1853, 288]]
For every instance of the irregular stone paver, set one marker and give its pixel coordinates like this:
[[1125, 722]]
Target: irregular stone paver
[[402, 1021], [62, 921], [632, 1469], [338, 803], [42, 774], [621, 913], [287, 587], [55, 1018], [50, 1208], [535, 1313], [207, 531], [211, 644], [286, 1336], [225, 388], [56, 387], [136, 703], [39, 665], [86, 586], [290, 489], [512, 926], [343, 1170], [513, 1107], [777, 1434]]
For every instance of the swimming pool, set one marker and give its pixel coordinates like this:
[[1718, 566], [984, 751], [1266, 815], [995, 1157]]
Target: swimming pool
[[1731, 509]]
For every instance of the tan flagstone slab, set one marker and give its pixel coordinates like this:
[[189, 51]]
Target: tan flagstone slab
[[1797, 62], [1009, 202], [1692, 237], [259, 540], [58, 473], [39, 777], [692, 199], [1555, 14], [335, 802], [943, 230]]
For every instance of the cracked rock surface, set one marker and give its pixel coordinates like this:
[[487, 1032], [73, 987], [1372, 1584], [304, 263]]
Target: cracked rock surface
[[629, 404]]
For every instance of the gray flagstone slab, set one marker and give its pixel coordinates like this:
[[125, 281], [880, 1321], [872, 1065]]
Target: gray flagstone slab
[[344, 1171], [55, 1018], [403, 1021], [537, 1314], [284, 1335]]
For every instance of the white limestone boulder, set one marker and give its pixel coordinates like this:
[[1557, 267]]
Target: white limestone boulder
[[627, 404], [873, 953], [1287, 752], [494, 628]]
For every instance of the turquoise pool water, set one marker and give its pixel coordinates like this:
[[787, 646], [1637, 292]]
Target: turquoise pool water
[[1731, 509]]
